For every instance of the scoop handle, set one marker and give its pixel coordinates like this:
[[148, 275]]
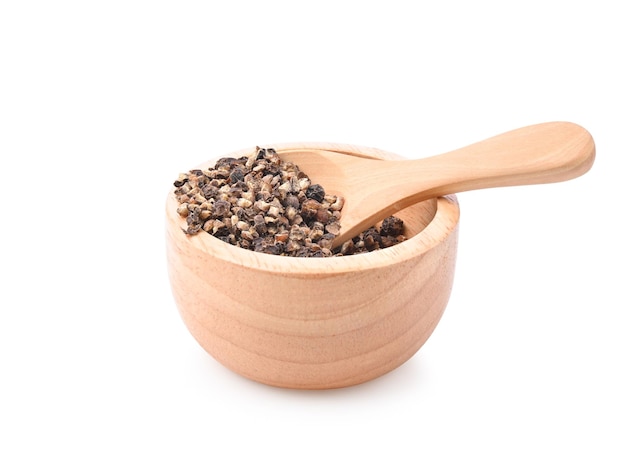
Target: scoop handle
[[543, 153]]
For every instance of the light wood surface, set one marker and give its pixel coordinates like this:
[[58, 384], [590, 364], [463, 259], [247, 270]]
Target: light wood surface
[[315, 322], [373, 190]]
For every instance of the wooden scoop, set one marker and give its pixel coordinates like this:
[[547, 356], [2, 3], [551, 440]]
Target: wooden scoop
[[374, 189]]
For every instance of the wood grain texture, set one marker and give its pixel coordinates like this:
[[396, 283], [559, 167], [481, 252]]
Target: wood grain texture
[[542, 153], [315, 323]]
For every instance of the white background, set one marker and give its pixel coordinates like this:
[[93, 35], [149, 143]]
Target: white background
[[103, 103]]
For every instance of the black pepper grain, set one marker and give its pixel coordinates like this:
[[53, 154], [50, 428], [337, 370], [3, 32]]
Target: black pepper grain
[[392, 226], [236, 175], [315, 192], [268, 205]]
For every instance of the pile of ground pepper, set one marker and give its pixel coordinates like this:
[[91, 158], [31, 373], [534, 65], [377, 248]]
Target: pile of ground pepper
[[265, 204]]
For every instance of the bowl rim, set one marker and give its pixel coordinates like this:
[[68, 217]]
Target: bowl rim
[[444, 222]]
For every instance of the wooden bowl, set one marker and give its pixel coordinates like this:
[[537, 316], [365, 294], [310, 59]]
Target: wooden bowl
[[315, 322]]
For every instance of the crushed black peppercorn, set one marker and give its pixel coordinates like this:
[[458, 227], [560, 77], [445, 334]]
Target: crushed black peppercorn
[[265, 204]]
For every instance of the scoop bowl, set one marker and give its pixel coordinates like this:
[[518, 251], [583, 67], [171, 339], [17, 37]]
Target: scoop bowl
[[315, 323]]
